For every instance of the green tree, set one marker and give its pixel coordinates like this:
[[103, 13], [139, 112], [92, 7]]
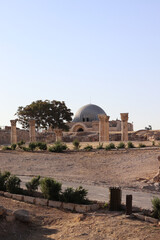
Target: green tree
[[46, 113]]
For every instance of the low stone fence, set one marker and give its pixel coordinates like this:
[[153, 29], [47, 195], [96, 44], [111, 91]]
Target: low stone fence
[[81, 208]]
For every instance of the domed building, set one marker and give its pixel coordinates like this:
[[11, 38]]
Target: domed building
[[86, 120]]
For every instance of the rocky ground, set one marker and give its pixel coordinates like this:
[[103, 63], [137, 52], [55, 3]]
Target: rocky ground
[[127, 168]]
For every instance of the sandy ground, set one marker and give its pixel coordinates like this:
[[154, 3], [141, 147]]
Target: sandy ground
[[51, 223], [127, 168]]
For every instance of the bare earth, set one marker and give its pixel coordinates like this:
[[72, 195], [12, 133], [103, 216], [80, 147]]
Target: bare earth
[[127, 168]]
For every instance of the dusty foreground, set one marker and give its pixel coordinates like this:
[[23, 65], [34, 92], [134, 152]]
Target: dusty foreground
[[127, 168], [50, 223]]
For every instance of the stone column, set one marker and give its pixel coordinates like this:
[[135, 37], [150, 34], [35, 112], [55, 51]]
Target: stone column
[[124, 126], [58, 133], [13, 131], [32, 131], [103, 127]]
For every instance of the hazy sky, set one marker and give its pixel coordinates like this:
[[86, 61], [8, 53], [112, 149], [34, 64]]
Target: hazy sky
[[106, 52]]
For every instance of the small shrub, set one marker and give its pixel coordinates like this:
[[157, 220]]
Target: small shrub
[[32, 146], [42, 146], [130, 145], [121, 145], [20, 144], [75, 196], [110, 146], [141, 145], [88, 148], [156, 207], [6, 148], [26, 149], [13, 184], [33, 184], [3, 178], [153, 143], [50, 188], [13, 146], [100, 146], [58, 147], [76, 144]]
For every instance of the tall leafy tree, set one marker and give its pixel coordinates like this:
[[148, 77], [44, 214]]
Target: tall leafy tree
[[46, 113]]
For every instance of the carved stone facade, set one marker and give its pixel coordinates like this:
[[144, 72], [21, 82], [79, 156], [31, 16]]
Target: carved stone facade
[[103, 127], [124, 127], [59, 134], [32, 130], [13, 132]]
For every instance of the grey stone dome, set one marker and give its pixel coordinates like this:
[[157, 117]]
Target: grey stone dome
[[88, 113]]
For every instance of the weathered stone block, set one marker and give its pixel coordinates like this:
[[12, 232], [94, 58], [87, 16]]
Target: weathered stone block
[[151, 220], [2, 210], [82, 208], [139, 216], [1, 193], [18, 197], [7, 194], [23, 215], [55, 204], [10, 218], [69, 206], [29, 199], [94, 207], [41, 201]]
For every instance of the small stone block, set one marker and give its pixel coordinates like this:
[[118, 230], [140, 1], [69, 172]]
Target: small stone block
[[1, 193], [2, 210], [10, 218], [29, 199], [7, 194], [18, 197], [55, 204], [151, 220], [94, 207], [23, 215], [139, 216], [69, 206], [41, 201], [82, 208]]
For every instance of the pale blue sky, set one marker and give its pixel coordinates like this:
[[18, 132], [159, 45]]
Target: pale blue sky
[[76, 50]]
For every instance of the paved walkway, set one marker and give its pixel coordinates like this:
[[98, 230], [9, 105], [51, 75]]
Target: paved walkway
[[101, 193]]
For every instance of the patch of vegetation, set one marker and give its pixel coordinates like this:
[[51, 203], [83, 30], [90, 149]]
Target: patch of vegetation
[[100, 146], [32, 186], [42, 145], [26, 149], [3, 178], [6, 148], [110, 146], [75, 196], [32, 146], [130, 145], [121, 145], [153, 143], [50, 188], [76, 144], [58, 147], [141, 145], [13, 184], [88, 148], [156, 207], [13, 146], [20, 144]]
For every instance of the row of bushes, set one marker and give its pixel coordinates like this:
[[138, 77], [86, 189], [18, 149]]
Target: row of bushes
[[50, 188], [60, 147]]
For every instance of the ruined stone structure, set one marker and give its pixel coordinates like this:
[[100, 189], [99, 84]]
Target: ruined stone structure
[[124, 128], [32, 131], [59, 134], [103, 128], [13, 131]]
